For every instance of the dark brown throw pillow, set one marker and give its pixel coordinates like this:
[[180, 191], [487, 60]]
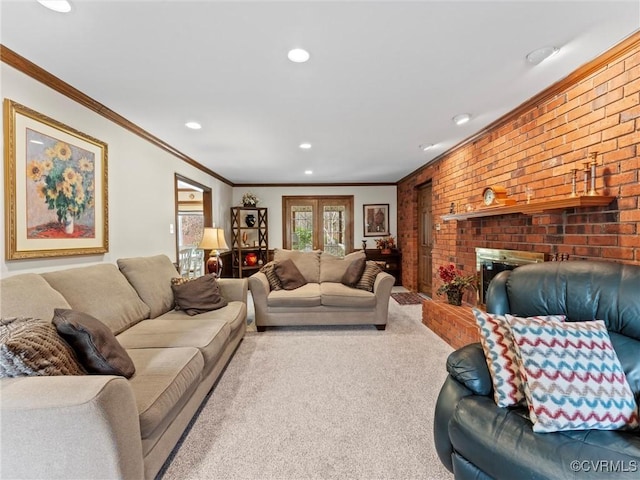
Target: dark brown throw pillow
[[354, 272], [368, 279], [272, 276], [289, 275], [30, 346], [96, 347], [199, 295]]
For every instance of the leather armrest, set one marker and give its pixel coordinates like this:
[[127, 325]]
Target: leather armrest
[[468, 366]]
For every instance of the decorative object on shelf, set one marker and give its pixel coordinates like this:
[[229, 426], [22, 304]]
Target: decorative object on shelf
[[251, 259], [529, 193], [364, 244], [455, 283], [376, 219], [496, 195], [55, 188], [386, 244], [250, 220], [213, 239], [244, 239], [574, 175], [592, 191], [249, 200]]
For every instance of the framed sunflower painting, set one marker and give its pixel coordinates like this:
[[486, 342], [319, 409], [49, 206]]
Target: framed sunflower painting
[[55, 187]]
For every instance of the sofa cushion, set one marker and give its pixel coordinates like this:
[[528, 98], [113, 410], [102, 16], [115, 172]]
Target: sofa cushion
[[574, 380], [102, 292], [198, 295], [165, 379], [500, 352], [29, 295], [234, 314], [333, 268], [307, 262], [30, 346], [150, 276], [272, 277], [339, 295], [96, 347], [289, 275], [368, 278], [208, 336], [306, 296]]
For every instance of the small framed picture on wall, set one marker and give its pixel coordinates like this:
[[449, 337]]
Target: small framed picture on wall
[[376, 220]]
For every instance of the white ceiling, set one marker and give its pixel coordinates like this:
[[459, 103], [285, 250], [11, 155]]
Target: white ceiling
[[383, 78]]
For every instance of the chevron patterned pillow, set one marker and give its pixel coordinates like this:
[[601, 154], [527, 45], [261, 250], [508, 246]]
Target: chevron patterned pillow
[[573, 378], [500, 352]]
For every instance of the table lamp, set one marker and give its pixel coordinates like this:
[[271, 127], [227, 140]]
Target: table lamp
[[213, 239]]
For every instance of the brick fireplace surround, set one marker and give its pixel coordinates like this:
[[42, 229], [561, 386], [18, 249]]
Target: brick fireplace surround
[[595, 109]]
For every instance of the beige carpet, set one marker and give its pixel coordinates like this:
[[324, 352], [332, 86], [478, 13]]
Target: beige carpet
[[322, 403]]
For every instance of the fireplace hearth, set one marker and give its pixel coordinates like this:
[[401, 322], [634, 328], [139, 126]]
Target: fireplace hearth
[[491, 261]]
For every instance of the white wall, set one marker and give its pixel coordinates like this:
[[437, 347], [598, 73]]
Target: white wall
[[271, 197], [140, 181]]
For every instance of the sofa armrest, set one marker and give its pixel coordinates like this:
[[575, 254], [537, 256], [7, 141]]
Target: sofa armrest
[[259, 286], [70, 427], [468, 366], [234, 289]]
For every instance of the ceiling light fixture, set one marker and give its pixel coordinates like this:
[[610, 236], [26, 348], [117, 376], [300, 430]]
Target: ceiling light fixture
[[60, 6], [193, 125], [305, 146], [426, 146], [541, 54], [298, 55], [461, 119], [308, 172]]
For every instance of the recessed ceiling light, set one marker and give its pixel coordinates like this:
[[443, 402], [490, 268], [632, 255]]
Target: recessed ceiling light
[[305, 146], [461, 119], [60, 6], [426, 146], [308, 172], [193, 125], [298, 55], [541, 54]]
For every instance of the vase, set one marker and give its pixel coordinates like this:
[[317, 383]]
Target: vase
[[250, 220], [454, 297], [386, 251], [68, 223]]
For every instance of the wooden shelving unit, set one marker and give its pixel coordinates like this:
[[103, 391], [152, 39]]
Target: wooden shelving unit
[[247, 240], [534, 207]]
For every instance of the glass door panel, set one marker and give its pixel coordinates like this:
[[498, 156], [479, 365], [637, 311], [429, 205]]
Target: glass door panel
[[302, 227], [334, 229]]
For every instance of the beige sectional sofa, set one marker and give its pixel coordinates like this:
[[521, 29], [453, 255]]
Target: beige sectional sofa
[[101, 426], [323, 299]]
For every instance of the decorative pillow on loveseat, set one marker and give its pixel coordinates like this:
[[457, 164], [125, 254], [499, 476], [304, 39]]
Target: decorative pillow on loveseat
[[574, 380], [272, 277], [289, 275], [30, 346], [368, 278], [354, 272], [96, 347], [501, 356], [198, 295]]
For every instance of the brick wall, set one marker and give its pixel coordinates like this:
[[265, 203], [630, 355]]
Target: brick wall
[[596, 109]]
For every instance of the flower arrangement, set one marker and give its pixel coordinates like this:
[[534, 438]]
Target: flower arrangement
[[67, 184], [385, 243], [250, 200], [455, 282]]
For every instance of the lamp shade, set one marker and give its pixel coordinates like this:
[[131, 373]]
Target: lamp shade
[[213, 239]]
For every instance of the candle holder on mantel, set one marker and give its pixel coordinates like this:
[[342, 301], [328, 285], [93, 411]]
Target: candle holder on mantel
[[593, 164], [574, 176]]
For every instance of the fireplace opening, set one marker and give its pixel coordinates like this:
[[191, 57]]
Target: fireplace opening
[[491, 261]]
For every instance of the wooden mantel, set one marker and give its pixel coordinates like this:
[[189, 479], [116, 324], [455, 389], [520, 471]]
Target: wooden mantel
[[534, 207]]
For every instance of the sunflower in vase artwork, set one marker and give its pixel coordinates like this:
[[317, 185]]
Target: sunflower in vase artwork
[[454, 283]]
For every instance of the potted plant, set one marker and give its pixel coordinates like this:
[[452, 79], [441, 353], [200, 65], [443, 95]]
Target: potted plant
[[250, 200], [454, 283], [386, 244]]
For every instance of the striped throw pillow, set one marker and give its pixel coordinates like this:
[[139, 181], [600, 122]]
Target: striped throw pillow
[[368, 278]]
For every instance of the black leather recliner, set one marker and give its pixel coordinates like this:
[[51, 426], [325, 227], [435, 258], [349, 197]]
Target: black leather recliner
[[476, 439]]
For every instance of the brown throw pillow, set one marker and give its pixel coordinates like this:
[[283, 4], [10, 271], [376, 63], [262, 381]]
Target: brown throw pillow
[[199, 295], [97, 348], [272, 276], [354, 272], [368, 279], [30, 346], [289, 275]]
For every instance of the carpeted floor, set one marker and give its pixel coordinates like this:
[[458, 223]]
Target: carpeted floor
[[408, 298], [322, 403]]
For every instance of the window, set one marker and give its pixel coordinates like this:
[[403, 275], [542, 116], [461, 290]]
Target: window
[[324, 223]]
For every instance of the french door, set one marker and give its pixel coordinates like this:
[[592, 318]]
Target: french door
[[318, 222]]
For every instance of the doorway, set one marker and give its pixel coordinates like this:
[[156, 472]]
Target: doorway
[[425, 240], [193, 212]]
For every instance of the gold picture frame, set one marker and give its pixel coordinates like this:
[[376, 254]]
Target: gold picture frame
[[55, 183]]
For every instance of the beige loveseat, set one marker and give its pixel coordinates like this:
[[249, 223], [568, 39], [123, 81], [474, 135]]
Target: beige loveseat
[[323, 299], [108, 427]]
